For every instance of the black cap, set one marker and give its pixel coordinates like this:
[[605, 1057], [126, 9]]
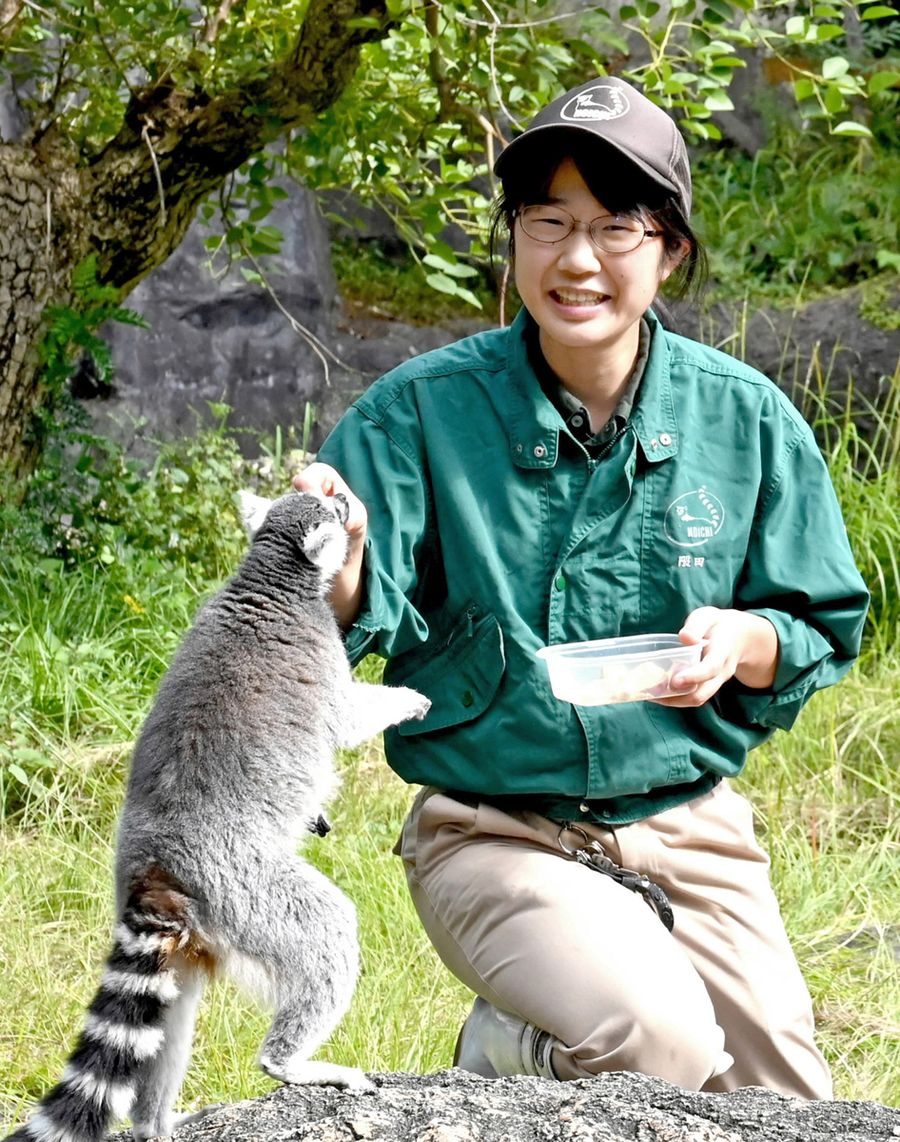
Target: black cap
[[617, 113]]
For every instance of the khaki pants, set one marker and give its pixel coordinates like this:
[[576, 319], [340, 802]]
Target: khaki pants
[[572, 952]]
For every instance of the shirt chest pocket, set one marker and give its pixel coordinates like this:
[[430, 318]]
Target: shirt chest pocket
[[461, 676]]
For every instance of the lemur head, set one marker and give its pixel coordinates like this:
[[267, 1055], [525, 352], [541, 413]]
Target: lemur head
[[315, 523]]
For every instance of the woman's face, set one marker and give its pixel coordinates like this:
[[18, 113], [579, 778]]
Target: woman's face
[[581, 298]]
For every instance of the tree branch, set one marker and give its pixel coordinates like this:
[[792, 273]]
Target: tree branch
[[446, 102], [177, 146], [211, 31], [10, 10]]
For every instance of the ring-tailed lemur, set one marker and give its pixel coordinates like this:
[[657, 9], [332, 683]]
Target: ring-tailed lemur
[[232, 766]]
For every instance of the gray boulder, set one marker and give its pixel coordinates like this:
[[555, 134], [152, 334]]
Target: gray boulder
[[825, 348], [265, 351], [453, 1106]]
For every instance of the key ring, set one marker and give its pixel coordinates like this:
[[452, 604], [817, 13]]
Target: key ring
[[592, 855], [568, 827]]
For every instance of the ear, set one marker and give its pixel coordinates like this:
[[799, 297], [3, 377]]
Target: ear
[[341, 506], [671, 261], [253, 510]]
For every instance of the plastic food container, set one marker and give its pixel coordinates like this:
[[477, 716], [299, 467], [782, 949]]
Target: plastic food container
[[609, 670]]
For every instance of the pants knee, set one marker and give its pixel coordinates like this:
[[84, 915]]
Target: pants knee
[[687, 1052]]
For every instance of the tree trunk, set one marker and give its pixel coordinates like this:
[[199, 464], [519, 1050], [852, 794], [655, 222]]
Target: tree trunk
[[37, 252], [132, 203]]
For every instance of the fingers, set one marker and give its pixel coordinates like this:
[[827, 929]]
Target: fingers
[[697, 625], [320, 478], [324, 480], [738, 644], [697, 684]]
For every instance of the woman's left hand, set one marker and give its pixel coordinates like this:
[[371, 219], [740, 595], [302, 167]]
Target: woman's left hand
[[739, 645]]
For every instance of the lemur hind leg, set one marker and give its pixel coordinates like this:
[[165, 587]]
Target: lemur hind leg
[[298, 933], [152, 1114]]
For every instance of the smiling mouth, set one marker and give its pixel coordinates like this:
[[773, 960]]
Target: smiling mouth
[[578, 297]]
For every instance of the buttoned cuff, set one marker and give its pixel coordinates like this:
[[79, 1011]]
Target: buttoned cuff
[[802, 657]]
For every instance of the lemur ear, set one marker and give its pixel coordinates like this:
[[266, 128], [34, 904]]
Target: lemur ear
[[253, 510], [341, 506]]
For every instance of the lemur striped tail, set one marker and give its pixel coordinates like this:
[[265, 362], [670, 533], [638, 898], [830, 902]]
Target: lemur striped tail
[[123, 1028]]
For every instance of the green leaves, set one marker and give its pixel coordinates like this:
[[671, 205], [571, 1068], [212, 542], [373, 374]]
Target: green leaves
[[436, 99], [432, 105], [849, 127], [72, 330], [882, 81], [78, 61], [449, 276]]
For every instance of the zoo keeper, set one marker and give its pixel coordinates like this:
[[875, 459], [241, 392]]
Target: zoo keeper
[[582, 474]]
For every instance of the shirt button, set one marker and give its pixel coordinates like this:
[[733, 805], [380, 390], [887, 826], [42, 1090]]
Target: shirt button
[[560, 583], [665, 438], [654, 443], [540, 451], [577, 420], [584, 807], [468, 698]]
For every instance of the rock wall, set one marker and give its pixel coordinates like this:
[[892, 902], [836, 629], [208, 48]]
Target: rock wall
[[453, 1106], [215, 336], [826, 347]]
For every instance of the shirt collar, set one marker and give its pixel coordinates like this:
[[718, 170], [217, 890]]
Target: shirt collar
[[653, 418], [534, 423], [574, 413]]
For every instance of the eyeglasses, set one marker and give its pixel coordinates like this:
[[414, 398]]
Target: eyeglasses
[[611, 233]]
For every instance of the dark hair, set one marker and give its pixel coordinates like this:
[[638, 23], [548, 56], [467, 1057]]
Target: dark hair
[[613, 180]]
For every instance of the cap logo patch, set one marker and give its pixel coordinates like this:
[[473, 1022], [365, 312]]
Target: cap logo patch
[[595, 104]]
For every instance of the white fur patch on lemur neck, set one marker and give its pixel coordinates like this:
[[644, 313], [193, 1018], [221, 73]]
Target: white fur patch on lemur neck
[[140, 1042], [137, 943], [325, 545], [163, 986], [42, 1128], [116, 1097]]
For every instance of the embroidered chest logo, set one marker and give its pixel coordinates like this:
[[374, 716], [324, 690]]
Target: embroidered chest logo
[[694, 518], [597, 103]]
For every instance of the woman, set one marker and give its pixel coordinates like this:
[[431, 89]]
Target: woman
[[586, 474]]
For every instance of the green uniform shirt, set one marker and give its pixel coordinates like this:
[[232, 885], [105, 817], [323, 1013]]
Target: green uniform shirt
[[493, 532]]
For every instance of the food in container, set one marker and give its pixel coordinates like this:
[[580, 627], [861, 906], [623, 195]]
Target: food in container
[[630, 669]]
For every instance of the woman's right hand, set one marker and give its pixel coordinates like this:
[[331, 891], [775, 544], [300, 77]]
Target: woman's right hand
[[346, 590], [325, 480]]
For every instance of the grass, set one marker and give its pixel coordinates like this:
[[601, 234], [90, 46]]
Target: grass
[[798, 213], [829, 813]]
